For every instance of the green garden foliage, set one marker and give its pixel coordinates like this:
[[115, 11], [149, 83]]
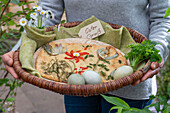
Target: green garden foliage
[[9, 29]]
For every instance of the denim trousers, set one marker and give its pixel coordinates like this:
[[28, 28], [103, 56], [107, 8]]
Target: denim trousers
[[96, 104]]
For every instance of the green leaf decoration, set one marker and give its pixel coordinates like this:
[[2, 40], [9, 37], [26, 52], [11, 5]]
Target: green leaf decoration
[[167, 13], [116, 101]]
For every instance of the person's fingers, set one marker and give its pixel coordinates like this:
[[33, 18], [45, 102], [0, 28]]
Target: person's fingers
[[11, 71], [154, 65], [8, 58], [150, 74], [161, 64], [136, 83]]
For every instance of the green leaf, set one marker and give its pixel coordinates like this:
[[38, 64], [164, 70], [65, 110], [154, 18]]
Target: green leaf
[[166, 110], [11, 23], [1, 100], [157, 106], [151, 105], [115, 107], [10, 99], [146, 111], [15, 1], [127, 111], [3, 81], [135, 109], [63, 21], [116, 101], [162, 99], [168, 89], [167, 13], [24, 3]]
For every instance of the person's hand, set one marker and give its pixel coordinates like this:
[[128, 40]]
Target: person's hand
[[8, 62], [155, 67]]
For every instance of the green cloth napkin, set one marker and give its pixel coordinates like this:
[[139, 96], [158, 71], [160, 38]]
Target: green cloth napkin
[[27, 49], [118, 38], [39, 35]]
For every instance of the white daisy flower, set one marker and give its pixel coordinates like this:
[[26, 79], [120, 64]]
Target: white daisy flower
[[34, 15], [35, 7], [23, 21], [42, 12], [39, 9]]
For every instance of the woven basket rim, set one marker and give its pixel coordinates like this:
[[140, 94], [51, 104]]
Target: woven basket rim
[[82, 90]]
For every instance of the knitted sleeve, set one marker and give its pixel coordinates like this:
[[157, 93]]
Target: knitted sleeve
[[159, 25]]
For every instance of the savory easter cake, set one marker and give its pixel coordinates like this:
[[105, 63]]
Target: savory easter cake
[[59, 59]]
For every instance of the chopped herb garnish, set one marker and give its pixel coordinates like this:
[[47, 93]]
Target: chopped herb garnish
[[102, 65], [54, 71], [86, 57], [105, 61], [103, 73], [89, 66], [94, 64], [91, 55], [120, 61], [106, 69], [110, 77], [87, 46]]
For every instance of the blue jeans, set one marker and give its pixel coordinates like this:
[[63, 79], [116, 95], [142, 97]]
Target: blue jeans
[[96, 104]]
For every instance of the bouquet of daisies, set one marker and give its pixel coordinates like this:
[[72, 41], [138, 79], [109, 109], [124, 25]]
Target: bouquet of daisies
[[36, 30], [38, 17]]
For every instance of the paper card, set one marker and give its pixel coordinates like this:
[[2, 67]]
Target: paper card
[[92, 30]]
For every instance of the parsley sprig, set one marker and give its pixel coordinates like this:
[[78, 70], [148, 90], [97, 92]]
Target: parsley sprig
[[143, 51]]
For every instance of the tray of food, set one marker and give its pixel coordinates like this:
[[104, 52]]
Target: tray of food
[[74, 65]]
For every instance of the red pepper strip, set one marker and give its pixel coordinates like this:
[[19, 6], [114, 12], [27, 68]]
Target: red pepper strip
[[81, 72], [84, 68], [72, 52], [78, 51], [77, 60], [68, 58], [84, 53], [81, 58], [68, 54], [75, 69], [76, 72], [85, 48]]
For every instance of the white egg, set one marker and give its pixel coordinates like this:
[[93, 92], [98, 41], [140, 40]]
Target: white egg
[[76, 79], [92, 77], [122, 72]]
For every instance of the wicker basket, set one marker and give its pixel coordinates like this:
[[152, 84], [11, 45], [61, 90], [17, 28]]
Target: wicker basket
[[82, 90]]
